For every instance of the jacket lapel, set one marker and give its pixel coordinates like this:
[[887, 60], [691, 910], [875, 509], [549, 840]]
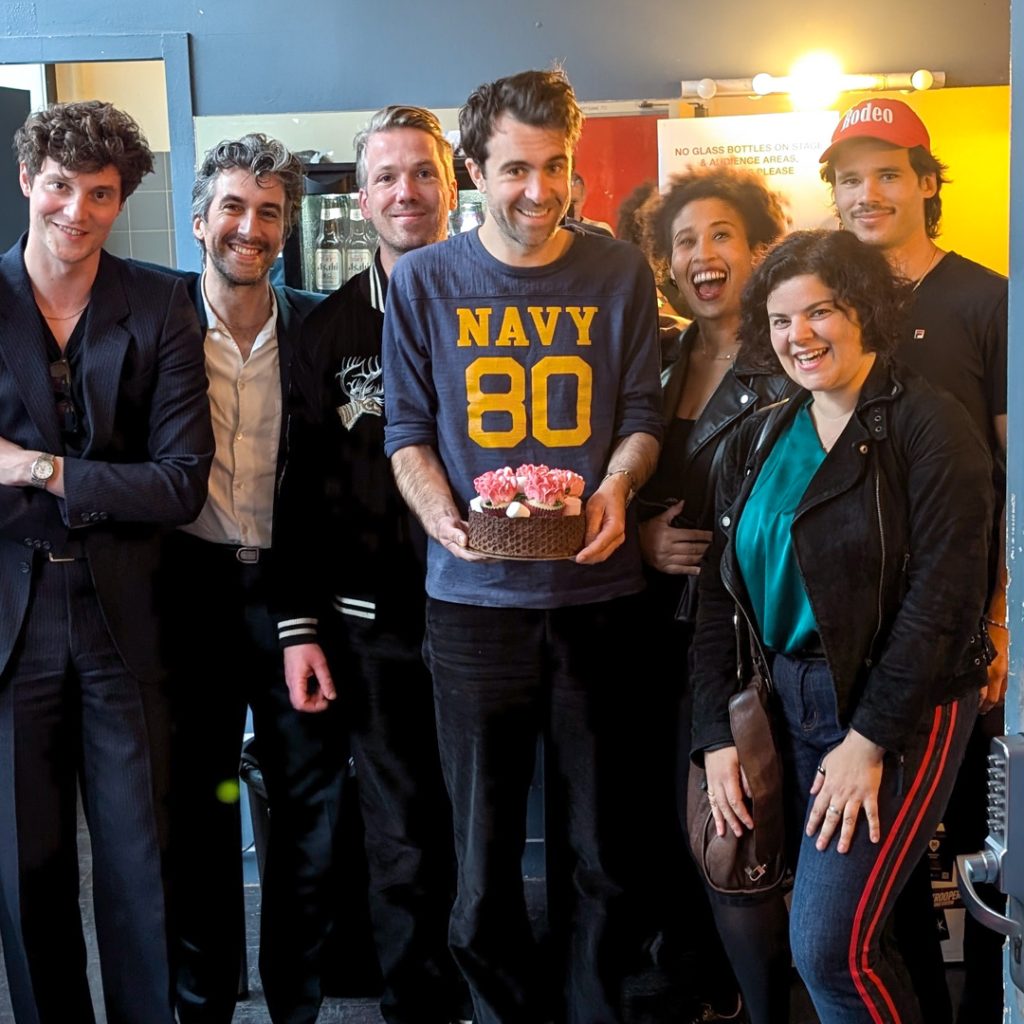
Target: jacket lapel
[[23, 348], [849, 460], [289, 323], [106, 341]]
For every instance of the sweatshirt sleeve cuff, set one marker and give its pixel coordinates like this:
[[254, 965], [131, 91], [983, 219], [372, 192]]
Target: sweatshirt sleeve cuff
[[297, 631]]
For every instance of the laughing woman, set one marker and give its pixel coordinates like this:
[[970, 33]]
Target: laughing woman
[[706, 231], [851, 532]]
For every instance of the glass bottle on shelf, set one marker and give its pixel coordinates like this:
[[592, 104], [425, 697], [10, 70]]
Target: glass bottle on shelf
[[370, 233], [472, 215], [329, 255], [358, 254]]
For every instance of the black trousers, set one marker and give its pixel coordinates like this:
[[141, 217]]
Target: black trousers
[[225, 656], [70, 714], [388, 702], [502, 678]]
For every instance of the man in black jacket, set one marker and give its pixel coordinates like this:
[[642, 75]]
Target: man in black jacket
[[363, 594], [244, 202], [104, 438]]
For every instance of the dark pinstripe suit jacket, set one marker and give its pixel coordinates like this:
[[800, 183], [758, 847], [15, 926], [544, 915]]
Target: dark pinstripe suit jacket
[[149, 444]]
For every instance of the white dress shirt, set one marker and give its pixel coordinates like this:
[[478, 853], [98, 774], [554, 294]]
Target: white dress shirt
[[245, 403]]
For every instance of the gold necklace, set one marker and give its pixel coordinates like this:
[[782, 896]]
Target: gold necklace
[[728, 358], [927, 271], [70, 316]]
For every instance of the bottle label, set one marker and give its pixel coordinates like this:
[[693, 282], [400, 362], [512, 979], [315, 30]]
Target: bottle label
[[328, 270], [358, 260]]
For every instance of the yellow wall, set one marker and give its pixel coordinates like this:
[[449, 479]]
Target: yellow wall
[[970, 132], [136, 86]]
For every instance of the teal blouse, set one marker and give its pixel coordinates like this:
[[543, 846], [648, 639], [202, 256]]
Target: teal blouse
[[764, 545]]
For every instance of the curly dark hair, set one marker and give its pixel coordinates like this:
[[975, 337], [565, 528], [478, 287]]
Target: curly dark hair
[[632, 215], [85, 136], [923, 163], [759, 208], [858, 275], [266, 159], [542, 99]]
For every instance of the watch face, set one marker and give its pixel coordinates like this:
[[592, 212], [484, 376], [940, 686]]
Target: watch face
[[42, 469]]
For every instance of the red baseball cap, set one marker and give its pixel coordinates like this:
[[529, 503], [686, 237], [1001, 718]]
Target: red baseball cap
[[890, 121]]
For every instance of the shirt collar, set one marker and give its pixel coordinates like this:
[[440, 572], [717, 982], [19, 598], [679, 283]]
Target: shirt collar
[[214, 322]]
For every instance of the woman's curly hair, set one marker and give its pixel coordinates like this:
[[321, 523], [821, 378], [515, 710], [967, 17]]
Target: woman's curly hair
[[858, 275]]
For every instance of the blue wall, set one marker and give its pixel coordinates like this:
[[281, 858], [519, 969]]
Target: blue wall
[[255, 56]]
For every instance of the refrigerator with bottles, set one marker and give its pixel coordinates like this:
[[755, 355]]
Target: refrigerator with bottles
[[332, 242]]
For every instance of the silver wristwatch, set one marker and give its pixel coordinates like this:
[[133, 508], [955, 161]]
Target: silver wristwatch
[[41, 470]]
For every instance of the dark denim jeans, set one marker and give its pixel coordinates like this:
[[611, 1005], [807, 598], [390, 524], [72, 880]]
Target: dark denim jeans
[[502, 678], [388, 704], [841, 902]]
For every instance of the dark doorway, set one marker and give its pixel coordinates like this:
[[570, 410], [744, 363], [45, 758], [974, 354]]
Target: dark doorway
[[15, 105]]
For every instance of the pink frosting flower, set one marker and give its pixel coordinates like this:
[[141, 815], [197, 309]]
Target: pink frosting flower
[[572, 483], [526, 471], [497, 486], [542, 485]]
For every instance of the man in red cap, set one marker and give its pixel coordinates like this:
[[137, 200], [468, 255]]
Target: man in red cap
[[886, 184]]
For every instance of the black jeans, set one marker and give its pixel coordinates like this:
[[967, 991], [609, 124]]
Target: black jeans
[[387, 699], [72, 715], [226, 656], [502, 678]]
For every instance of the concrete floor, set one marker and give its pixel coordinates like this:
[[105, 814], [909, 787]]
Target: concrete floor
[[252, 1010]]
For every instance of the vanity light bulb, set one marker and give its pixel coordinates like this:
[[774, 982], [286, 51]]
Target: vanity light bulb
[[707, 88], [922, 79]]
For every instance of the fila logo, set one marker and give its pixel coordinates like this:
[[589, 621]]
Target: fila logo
[[919, 334]]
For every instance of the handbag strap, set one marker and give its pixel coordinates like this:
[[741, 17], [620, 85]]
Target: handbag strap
[[755, 746], [756, 749]]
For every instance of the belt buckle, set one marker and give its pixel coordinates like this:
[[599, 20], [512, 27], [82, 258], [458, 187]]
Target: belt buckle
[[248, 556]]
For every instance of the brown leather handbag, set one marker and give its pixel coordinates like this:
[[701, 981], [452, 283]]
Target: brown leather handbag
[[755, 861]]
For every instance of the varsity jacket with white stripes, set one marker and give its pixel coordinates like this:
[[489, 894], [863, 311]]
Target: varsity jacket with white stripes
[[345, 542]]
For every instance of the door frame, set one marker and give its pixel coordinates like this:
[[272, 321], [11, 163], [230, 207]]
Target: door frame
[[170, 47]]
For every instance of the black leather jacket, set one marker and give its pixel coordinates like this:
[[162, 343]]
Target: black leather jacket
[[891, 538], [741, 391]]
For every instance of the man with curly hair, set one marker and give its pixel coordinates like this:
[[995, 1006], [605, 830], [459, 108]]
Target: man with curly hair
[[104, 439], [245, 201]]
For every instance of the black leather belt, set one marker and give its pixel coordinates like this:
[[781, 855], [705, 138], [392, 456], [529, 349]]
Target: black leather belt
[[199, 547]]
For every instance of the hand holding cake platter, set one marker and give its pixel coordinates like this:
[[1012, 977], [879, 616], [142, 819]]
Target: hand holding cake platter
[[531, 513]]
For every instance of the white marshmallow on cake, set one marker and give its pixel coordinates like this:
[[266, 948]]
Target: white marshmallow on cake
[[477, 504], [517, 510], [573, 506]]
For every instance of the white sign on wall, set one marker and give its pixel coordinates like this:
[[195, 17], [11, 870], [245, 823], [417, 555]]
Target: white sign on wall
[[782, 147]]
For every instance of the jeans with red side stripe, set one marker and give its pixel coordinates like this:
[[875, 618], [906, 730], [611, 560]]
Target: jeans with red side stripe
[[841, 902]]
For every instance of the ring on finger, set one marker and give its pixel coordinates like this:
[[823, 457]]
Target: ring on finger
[[832, 810], [821, 770]]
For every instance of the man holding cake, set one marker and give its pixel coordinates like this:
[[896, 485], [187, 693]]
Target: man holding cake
[[525, 345]]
